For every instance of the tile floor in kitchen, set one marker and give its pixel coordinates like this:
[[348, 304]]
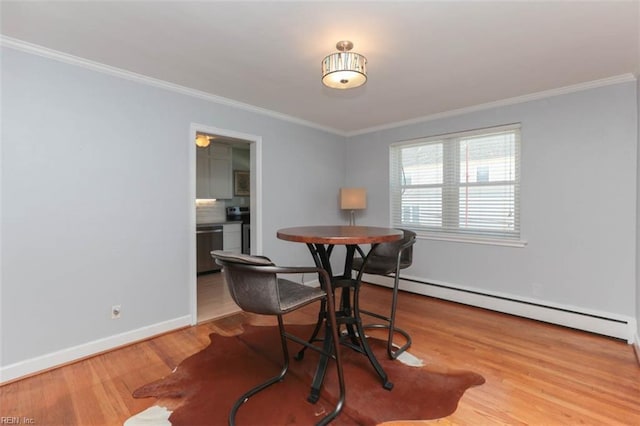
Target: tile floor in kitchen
[[214, 300]]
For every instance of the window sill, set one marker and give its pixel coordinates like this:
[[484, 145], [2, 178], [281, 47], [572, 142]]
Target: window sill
[[474, 240]]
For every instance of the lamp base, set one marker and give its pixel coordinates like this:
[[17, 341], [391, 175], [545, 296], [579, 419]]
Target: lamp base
[[352, 218]]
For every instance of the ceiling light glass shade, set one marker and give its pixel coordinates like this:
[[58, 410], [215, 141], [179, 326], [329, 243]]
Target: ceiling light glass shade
[[344, 70], [202, 141]]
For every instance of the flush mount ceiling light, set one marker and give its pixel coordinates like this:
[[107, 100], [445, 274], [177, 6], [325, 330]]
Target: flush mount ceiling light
[[344, 69], [203, 141]]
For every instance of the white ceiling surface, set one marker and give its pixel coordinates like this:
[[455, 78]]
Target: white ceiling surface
[[424, 58]]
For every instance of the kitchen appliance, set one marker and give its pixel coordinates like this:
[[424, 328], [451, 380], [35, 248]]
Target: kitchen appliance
[[242, 214], [208, 238]]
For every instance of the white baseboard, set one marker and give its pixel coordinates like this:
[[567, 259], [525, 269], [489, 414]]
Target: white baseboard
[[605, 323], [41, 363]]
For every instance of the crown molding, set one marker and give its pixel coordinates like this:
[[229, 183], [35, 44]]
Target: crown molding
[[35, 49], [140, 78], [623, 78]]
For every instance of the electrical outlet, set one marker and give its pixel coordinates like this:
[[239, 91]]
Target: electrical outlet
[[115, 311]]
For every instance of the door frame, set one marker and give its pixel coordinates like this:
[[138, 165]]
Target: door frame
[[255, 203]]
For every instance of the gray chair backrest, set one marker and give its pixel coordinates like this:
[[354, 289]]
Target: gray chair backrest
[[252, 285], [390, 250]]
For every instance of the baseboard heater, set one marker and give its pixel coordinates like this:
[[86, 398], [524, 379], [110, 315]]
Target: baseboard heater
[[612, 325]]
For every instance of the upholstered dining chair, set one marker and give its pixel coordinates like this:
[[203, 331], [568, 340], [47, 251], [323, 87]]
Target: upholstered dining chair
[[388, 259], [255, 286]]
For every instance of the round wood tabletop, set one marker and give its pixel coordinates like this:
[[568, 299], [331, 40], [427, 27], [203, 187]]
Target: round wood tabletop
[[344, 235]]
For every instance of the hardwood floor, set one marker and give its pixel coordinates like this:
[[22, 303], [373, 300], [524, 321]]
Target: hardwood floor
[[535, 373]]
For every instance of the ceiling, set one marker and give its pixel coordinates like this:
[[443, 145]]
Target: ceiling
[[424, 58]]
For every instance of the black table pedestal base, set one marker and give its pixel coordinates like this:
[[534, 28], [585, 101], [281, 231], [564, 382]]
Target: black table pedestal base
[[354, 336]]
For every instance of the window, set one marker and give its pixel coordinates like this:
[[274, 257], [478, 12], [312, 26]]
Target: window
[[458, 185]]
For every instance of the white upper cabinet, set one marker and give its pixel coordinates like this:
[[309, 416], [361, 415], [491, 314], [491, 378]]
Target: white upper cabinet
[[214, 173], [220, 150], [202, 173]]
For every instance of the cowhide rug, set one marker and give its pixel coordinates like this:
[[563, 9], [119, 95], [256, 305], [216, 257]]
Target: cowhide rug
[[202, 389]]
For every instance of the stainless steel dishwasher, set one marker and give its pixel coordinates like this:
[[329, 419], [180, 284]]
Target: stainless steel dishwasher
[[208, 238]]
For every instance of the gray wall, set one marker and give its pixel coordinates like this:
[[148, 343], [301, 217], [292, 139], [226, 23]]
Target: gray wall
[[638, 223], [578, 198], [95, 206]]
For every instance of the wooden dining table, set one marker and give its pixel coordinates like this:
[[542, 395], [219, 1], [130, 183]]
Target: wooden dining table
[[320, 241]]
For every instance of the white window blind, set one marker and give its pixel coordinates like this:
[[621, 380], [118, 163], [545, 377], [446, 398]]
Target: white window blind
[[464, 184]]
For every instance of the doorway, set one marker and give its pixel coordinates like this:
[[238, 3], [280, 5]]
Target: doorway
[[209, 298]]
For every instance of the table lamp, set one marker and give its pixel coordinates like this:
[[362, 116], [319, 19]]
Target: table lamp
[[353, 199]]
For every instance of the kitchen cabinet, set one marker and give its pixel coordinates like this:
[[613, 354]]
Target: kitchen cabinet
[[232, 237], [214, 172]]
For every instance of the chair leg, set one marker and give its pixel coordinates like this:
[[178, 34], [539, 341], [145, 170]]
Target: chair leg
[[391, 324], [333, 323], [245, 397]]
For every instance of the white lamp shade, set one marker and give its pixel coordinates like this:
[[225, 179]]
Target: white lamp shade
[[353, 198]]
